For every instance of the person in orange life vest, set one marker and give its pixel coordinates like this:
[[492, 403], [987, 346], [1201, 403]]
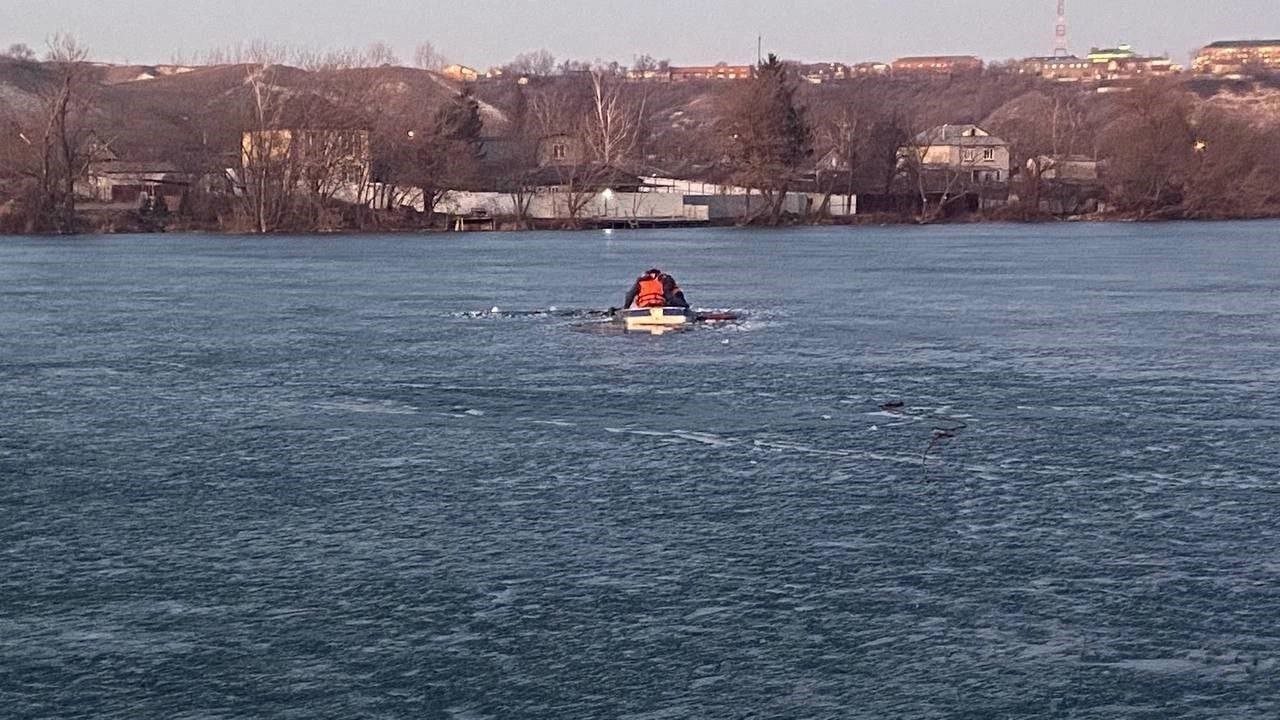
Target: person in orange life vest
[[655, 289]]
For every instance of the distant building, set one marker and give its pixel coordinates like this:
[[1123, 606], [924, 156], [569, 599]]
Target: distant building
[[871, 69], [121, 182], [937, 66], [1231, 57], [651, 74], [1065, 168], [312, 141], [324, 155], [460, 73], [561, 150], [818, 73], [719, 71], [1106, 55], [1060, 68], [968, 150], [1123, 63]]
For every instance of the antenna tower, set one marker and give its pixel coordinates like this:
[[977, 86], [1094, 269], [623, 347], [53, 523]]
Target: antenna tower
[[1060, 33]]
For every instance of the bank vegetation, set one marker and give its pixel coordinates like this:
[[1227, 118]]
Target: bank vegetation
[[265, 141]]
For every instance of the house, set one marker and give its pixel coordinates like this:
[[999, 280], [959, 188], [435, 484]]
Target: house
[[870, 69], [1123, 63], [1058, 68], [310, 140], [342, 154], [588, 177], [1231, 57], [1103, 56], [719, 71], [649, 74], [833, 161], [818, 73], [1066, 168], [560, 150], [965, 150], [119, 182], [460, 73], [936, 66]]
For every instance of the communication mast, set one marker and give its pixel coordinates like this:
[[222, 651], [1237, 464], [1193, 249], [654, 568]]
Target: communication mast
[[1060, 33]]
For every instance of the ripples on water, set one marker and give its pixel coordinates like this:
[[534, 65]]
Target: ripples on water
[[301, 478]]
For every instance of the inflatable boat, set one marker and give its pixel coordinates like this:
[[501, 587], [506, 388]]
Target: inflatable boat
[[657, 319]]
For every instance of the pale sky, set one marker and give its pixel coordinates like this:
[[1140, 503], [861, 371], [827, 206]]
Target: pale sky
[[489, 32]]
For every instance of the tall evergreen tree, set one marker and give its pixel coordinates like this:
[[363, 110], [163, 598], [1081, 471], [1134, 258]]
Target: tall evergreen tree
[[770, 136]]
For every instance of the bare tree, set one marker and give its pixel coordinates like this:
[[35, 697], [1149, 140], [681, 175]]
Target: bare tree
[[268, 178], [1151, 148], [536, 63], [939, 166], [427, 57], [615, 120], [64, 150], [841, 134], [1235, 171], [435, 156], [1042, 131], [379, 54], [20, 52], [644, 63], [579, 183], [519, 163], [262, 52]]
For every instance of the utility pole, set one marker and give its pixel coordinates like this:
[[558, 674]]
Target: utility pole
[[759, 49], [1060, 48]]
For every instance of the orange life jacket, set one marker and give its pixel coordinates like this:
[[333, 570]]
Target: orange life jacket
[[652, 293]]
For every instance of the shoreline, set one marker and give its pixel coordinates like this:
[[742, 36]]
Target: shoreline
[[876, 221]]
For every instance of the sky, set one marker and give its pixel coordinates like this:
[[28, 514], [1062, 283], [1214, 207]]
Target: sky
[[482, 33]]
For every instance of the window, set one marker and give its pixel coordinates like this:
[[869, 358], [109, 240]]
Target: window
[[559, 151], [989, 154]]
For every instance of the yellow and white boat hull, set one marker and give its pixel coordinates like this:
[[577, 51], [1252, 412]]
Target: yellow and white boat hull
[[658, 319]]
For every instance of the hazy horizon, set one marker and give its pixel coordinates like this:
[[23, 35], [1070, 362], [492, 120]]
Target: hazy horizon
[[487, 32]]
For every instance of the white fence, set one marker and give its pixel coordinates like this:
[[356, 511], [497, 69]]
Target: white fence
[[673, 203], [607, 205]]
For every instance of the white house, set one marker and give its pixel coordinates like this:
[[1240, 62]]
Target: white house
[[965, 149]]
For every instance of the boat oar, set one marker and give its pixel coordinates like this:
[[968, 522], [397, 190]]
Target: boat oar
[[717, 317]]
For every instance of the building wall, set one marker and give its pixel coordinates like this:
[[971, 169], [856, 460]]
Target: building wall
[[691, 187], [461, 73], [344, 152], [552, 205], [561, 151], [942, 65], [713, 72], [1232, 59]]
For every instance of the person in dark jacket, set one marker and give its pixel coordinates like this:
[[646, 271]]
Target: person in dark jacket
[[655, 289]]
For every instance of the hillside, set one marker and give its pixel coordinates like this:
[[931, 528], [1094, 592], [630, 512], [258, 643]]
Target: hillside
[[1166, 147], [148, 113]]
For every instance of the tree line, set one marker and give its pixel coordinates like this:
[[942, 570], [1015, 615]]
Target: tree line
[[1165, 148]]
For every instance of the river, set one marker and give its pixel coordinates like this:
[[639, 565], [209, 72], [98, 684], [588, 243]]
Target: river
[[314, 477]]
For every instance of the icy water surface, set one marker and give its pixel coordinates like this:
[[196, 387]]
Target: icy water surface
[[299, 477]]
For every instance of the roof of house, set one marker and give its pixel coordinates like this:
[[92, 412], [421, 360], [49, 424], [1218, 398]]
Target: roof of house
[[1243, 43], [586, 175], [961, 135], [1056, 59], [309, 111], [127, 167], [939, 58], [1122, 51]]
